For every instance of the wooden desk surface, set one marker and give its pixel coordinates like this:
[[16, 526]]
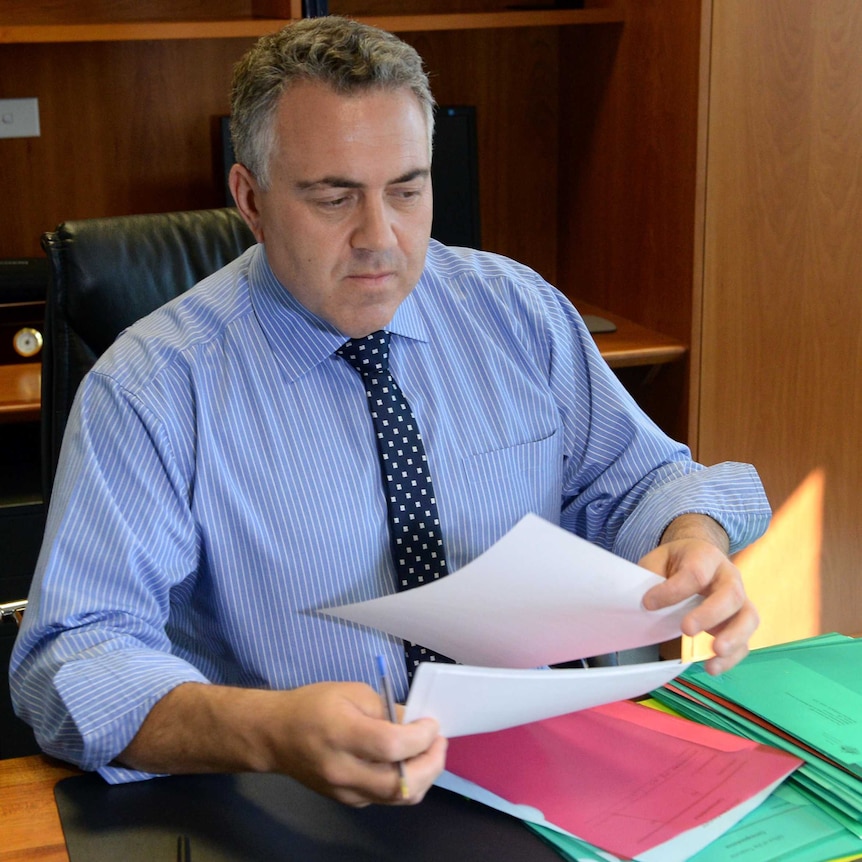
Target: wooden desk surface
[[29, 822]]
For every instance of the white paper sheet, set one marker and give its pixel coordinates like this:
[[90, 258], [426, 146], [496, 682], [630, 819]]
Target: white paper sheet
[[466, 699], [539, 596]]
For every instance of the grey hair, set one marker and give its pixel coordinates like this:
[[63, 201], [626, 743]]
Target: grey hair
[[345, 55]]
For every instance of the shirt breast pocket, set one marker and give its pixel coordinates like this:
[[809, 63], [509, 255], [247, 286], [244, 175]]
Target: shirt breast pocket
[[502, 485]]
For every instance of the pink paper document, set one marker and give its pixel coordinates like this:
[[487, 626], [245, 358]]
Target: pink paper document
[[621, 776]]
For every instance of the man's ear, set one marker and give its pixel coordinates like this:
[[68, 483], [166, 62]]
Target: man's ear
[[246, 193]]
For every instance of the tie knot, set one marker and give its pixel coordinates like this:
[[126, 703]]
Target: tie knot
[[367, 354]]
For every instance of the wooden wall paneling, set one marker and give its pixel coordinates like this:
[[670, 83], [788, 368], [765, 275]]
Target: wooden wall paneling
[[125, 127], [698, 252], [782, 308], [128, 127], [276, 8], [628, 168], [592, 154], [510, 76], [630, 127]]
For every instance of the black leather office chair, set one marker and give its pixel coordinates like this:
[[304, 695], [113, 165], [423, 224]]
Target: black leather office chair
[[106, 273]]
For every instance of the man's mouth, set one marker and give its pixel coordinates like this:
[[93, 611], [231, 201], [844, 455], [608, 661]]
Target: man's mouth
[[371, 276]]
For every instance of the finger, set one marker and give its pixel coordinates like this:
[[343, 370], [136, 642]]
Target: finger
[[719, 664], [656, 560], [343, 746], [730, 641], [381, 741], [381, 782], [357, 782], [677, 587], [731, 638], [683, 574], [378, 746], [725, 607], [725, 612], [422, 771], [689, 569]]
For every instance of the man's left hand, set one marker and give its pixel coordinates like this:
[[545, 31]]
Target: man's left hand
[[693, 558]]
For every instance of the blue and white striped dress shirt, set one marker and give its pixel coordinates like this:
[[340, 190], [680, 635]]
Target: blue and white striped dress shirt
[[219, 482]]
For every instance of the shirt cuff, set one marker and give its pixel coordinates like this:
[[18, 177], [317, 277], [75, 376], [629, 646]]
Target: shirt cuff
[[109, 696], [730, 493]]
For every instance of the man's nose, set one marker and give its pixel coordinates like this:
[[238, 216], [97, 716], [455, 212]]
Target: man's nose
[[375, 226]]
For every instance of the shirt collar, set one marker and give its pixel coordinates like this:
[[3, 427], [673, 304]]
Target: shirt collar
[[300, 339]]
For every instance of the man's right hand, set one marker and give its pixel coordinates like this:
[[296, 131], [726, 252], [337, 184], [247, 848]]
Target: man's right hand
[[333, 737], [353, 755]]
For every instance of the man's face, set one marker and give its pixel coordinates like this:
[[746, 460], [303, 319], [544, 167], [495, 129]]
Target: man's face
[[347, 217]]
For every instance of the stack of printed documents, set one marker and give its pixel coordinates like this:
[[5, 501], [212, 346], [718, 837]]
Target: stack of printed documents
[[805, 698], [563, 749], [618, 781], [786, 827]]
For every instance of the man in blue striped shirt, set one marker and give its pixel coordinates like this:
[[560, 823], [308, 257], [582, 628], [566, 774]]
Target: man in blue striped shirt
[[219, 479]]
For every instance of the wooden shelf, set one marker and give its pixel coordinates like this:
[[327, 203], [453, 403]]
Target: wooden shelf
[[632, 344], [492, 20], [130, 31], [20, 392]]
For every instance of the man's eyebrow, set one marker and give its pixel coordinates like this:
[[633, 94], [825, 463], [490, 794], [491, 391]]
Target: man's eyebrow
[[336, 182], [416, 174]]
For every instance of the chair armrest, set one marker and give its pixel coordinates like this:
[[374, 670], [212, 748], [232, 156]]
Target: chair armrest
[[13, 610]]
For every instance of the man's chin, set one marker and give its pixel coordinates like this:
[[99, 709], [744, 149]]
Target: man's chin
[[364, 320]]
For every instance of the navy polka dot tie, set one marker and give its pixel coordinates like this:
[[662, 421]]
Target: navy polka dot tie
[[414, 528]]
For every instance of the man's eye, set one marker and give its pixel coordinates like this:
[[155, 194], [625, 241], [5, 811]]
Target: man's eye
[[334, 199], [407, 194], [333, 203]]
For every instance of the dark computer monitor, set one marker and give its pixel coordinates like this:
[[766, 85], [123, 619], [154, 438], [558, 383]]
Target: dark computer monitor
[[454, 173]]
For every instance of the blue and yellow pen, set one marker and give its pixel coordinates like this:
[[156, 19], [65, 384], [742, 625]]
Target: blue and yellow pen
[[389, 703]]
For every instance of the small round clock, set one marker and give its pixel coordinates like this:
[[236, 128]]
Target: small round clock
[[27, 342]]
